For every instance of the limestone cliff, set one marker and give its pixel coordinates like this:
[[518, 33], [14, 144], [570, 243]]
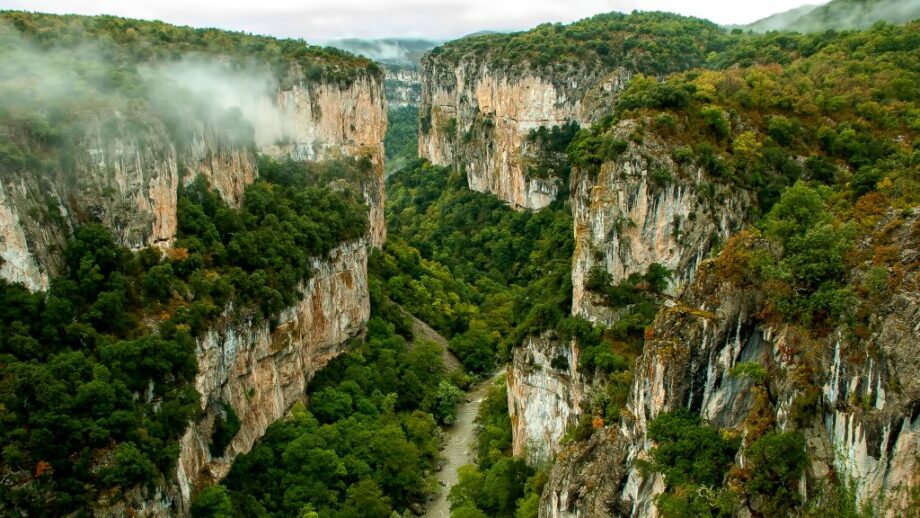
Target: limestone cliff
[[326, 120], [476, 117], [544, 395], [864, 428], [403, 85], [639, 209], [643, 208], [261, 371], [125, 174]]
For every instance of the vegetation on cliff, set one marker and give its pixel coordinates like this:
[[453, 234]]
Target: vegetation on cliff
[[364, 446], [764, 126], [401, 141], [653, 43], [96, 374]]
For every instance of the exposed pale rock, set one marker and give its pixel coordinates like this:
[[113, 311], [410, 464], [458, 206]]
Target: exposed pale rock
[[322, 121], [625, 220], [476, 119], [864, 431], [17, 264], [543, 400], [262, 371]]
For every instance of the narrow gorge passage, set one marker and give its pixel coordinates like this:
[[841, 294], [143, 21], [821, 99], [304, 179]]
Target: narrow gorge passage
[[459, 447]]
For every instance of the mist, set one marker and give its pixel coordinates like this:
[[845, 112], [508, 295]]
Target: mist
[[843, 15], [56, 92], [222, 88]]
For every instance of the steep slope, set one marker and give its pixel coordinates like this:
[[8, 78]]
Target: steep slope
[[107, 133], [837, 390], [762, 343], [840, 15], [483, 96], [127, 152]]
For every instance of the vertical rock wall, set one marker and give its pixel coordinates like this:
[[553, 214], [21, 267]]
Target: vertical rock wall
[[476, 117], [128, 178], [866, 428], [641, 209], [261, 371], [544, 395]]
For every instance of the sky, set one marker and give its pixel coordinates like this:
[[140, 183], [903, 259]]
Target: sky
[[323, 20]]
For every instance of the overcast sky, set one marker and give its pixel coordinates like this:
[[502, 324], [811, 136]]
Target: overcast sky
[[320, 20]]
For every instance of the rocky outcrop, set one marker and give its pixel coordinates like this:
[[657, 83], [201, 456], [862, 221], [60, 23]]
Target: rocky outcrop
[[262, 370], [864, 428], [402, 85], [584, 481], [476, 117], [125, 175], [545, 391], [327, 120], [641, 209]]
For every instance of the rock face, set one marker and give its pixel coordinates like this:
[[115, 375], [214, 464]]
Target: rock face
[[261, 371], [865, 427], [544, 395], [327, 121], [583, 482], [128, 179], [403, 85], [638, 210], [476, 118], [644, 208]]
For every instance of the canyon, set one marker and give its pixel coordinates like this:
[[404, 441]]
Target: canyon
[[640, 199], [130, 184]]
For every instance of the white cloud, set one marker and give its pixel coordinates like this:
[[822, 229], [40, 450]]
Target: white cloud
[[318, 20]]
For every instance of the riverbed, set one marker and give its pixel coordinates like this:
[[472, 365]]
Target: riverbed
[[459, 448]]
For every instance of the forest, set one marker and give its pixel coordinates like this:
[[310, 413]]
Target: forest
[[818, 131]]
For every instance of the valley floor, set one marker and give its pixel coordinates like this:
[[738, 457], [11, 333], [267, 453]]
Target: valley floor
[[459, 447]]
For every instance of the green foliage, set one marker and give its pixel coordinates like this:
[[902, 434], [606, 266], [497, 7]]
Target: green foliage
[[750, 370], [474, 269], [807, 278], [131, 41], [212, 502], [498, 485], [775, 463], [689, 452], [713, 117], [226, 426], [75, 370], [262, 252], [81, 370], [367, 439], [401, 141], [547, 149], [652, 43]]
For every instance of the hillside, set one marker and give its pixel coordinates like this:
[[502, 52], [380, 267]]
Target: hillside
[[246, 276], [165, 208], [840, 15]]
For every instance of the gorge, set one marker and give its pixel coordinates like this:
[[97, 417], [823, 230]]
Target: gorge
[[691, 253]]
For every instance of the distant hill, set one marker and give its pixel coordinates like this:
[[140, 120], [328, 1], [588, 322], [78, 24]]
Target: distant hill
[[780, 21], [840, 15], [389, 51]]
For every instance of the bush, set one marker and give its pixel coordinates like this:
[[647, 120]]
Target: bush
[[226, 426], [775, 463], [689, 451]]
